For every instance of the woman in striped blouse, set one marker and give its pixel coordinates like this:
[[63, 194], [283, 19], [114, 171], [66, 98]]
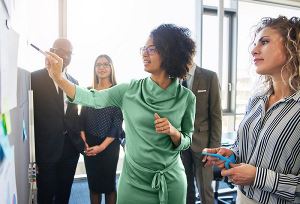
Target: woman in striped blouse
[[267, 148]]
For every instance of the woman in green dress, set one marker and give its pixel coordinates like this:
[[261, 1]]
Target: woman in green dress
[[158, 113]]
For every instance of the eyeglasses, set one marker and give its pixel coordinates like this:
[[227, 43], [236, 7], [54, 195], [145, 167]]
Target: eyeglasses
[[105, 65], [149, 50], [61, 51]]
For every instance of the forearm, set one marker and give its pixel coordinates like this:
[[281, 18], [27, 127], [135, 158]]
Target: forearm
[[187, 126], [106, 142], [176, 137], [67, 86], [82, 135]]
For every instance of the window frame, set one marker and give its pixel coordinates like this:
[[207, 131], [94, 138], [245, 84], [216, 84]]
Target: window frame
[[231, 14]]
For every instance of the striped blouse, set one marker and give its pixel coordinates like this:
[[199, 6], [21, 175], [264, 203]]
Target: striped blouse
[[270, 141]]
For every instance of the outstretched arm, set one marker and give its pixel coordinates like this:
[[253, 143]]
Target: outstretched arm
[[54, 67], [96, 99]]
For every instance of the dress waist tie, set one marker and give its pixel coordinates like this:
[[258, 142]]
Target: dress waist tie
[[159, 181]]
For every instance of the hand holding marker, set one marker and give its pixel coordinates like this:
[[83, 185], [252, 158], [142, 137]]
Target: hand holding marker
[[227, 160], [41, 51]]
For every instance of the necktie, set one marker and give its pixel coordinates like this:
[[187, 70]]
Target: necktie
[[60, 94], [62, 98]]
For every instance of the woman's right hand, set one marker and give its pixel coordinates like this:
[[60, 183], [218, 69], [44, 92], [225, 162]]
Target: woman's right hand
[[213, 161], [54, 66]]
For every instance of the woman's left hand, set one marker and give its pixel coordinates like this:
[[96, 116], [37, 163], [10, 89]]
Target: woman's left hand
[[240, 174], [93, 151], [163, 126]]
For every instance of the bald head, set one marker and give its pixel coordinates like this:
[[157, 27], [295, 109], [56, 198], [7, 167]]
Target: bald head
[[63, 43], [63, 48]]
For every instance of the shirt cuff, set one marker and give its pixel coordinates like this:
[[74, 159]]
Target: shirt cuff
[[265, 179], [182, 145]]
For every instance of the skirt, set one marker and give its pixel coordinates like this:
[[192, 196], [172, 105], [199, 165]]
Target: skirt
[[101, 169]]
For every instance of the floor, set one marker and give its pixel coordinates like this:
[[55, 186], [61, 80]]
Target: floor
[[80, 192]]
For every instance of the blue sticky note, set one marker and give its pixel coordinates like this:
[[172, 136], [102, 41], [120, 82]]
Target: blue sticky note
[[1, 154], [2, 133], [7, 150], [14, 199], [24, 131]]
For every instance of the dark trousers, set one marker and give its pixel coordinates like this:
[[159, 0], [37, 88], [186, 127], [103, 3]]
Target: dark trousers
[[204, 175], [54, 180]]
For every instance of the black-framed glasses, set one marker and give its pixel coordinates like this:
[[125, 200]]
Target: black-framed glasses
[[105, 65], [149, 50]]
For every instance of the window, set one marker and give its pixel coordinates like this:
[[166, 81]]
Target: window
[[210, 52], [118, 28]]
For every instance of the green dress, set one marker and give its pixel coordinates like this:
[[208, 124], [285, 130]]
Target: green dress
[[152, 170]]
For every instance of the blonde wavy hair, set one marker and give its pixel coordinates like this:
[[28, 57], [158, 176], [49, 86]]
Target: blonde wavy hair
[[289, 29]]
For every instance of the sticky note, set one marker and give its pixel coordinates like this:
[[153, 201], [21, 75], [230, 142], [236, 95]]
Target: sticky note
[[3, 117], [1, 154], [2, 132], [24, 131], [8, 122]]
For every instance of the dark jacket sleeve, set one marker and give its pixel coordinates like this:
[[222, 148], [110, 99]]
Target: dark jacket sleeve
[[82, 118], [73, 123], [215, 113]]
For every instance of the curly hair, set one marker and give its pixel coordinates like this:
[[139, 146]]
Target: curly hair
[[289, 29], [175, 47], [112, 75]]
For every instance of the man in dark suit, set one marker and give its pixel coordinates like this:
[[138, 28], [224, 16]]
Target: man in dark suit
[[57, 134], [207, 133]]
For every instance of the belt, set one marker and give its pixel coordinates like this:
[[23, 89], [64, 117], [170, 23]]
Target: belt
[[159, 181]]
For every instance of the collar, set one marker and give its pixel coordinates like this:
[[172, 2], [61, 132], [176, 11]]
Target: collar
[[295, 96], [64, 72], [153, 93], [192, 70]]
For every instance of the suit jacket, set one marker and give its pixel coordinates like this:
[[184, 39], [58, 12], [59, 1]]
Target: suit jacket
[[208, 119], [55, 131]]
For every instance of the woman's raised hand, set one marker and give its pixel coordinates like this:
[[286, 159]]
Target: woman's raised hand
[[54, 66]]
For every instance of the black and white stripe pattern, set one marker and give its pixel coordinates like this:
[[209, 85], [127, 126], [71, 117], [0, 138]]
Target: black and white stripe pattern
[[270, 140]]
